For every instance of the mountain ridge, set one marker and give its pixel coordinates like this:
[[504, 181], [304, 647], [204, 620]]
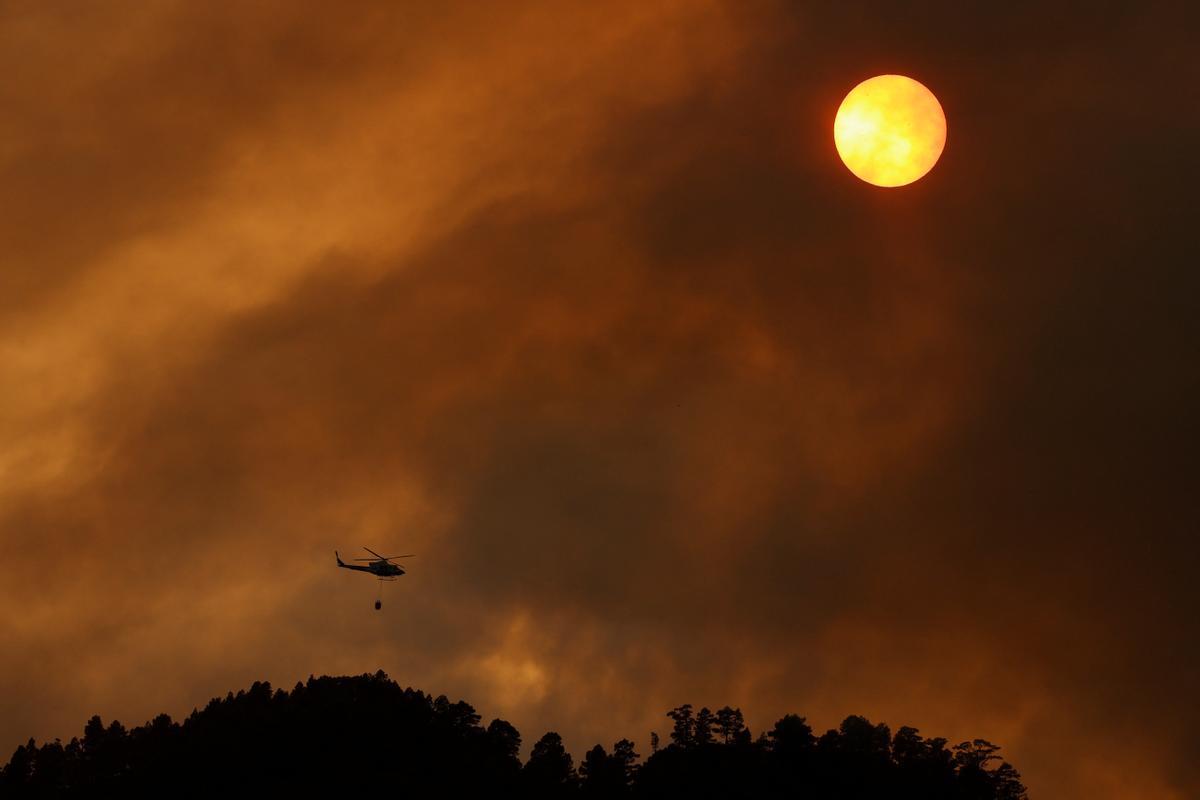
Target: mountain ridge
[[365, 732]]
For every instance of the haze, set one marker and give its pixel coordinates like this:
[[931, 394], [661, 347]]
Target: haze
[[577, 303]]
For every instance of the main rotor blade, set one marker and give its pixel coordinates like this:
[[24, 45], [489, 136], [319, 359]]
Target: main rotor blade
[[410, 555], [372, 552]]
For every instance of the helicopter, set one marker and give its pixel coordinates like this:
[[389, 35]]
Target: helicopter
[[379, 566]]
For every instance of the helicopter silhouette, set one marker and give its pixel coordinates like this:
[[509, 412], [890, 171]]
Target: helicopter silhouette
[[379, 566]]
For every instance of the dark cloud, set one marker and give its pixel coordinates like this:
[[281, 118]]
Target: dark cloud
[[671, 408]]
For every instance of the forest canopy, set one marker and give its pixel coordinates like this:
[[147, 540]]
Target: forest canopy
[[338, 734]]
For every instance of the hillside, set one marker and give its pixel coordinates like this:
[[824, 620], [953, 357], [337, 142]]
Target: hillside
[[366, 733]]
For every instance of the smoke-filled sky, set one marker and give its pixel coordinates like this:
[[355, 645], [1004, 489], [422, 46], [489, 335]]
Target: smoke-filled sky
[[577, 302]]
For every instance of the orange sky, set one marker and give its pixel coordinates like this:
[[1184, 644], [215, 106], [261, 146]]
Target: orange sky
[[578, 303]]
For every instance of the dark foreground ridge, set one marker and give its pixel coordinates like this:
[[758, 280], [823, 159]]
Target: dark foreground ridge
[[365, 733]]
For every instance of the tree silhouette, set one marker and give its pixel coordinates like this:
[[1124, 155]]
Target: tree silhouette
[[702, 728], [731, 725], [683, 734], [600, 774], [605, 775], [791, 737], [549, 771], [979, 781], [924, 767], [334, 736], [626, 759]]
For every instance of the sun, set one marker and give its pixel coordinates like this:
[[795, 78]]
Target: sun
[[890, 130]]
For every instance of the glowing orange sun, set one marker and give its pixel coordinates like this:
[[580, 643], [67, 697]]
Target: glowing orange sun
[[890, 130]]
